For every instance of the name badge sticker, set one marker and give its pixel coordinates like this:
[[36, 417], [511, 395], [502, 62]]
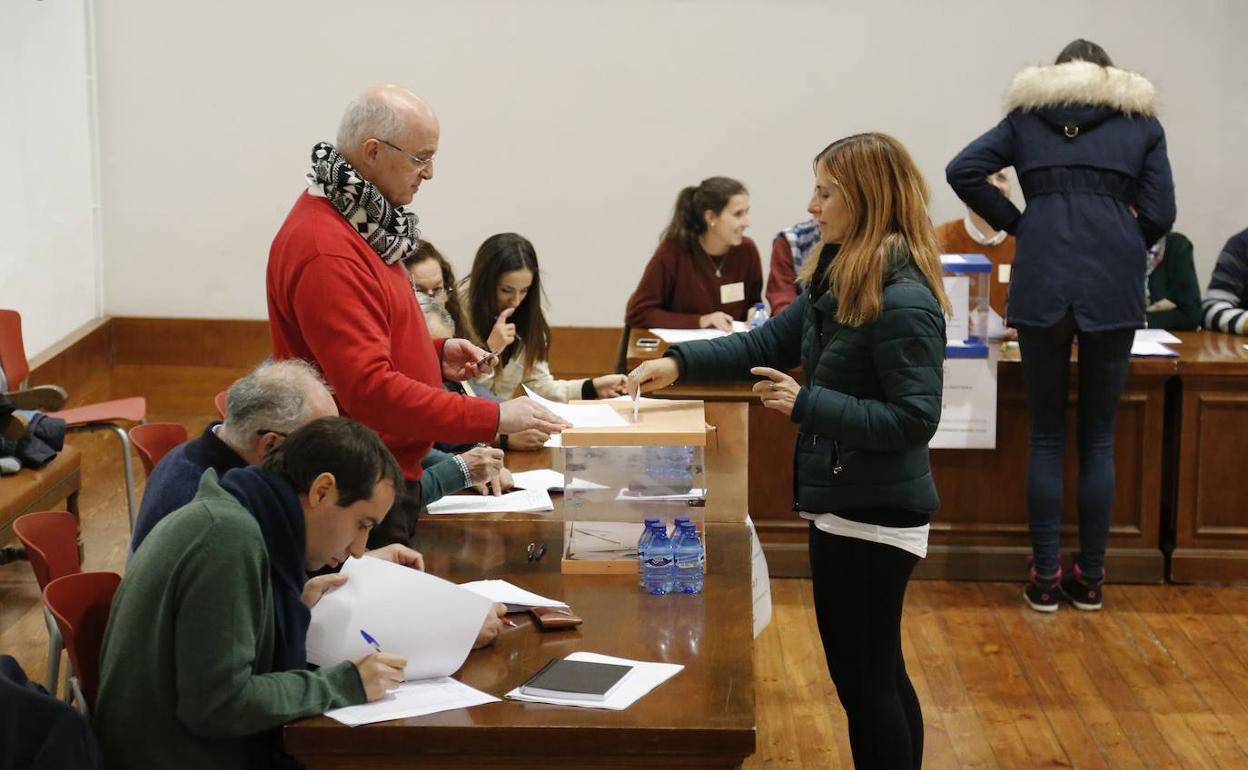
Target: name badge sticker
[[1003, 273], [732, 292]]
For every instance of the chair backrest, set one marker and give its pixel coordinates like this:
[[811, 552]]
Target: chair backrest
[[220, 401], [81, 603], [12, 351], [154, 439], [51, 541]]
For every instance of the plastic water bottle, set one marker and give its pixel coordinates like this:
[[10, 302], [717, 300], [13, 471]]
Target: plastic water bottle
[[689, 557], [658, 565], [641, 550], [759, 316]]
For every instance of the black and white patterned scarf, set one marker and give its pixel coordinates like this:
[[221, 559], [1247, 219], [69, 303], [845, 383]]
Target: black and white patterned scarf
[[390, 230]]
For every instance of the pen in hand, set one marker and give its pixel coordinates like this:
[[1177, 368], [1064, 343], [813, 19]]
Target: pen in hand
[[371, 641]]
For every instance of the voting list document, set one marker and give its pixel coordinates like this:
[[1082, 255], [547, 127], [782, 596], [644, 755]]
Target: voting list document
[[430, 621]]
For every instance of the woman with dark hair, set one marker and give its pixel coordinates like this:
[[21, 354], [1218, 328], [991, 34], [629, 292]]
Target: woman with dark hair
[[869, 332], [705, 272], [505, 316], [1091, 160]]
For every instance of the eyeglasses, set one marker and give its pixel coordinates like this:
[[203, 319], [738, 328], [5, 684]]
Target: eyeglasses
[[440, 294], [418, 162], [266, 431]]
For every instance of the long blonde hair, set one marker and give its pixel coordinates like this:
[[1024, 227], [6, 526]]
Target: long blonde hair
[[887, 202]]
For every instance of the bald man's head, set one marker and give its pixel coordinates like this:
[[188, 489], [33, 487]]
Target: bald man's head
[[390, 135], [273, 400]]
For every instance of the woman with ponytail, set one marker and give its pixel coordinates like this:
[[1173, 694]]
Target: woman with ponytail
[[705, 272]]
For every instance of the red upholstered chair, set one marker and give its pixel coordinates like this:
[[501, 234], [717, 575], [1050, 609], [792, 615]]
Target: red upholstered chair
[[51, 542], [219, 401], [102, 416], [154, 439], [81, 603]]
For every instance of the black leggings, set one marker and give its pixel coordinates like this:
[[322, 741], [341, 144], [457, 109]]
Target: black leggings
[[859, 590]]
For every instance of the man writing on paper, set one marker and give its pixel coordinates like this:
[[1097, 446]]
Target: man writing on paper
[[340, 299], [204, 653]]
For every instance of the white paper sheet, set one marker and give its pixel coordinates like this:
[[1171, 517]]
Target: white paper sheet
[[508, 593], [582, 415], [645, 677], [413, 699], [693, 494], [1151, 348], [550, 480], [674, 336], [1156, 335], [518, 501], [968, 413], [430, 621], [760, 581], [958, 288]]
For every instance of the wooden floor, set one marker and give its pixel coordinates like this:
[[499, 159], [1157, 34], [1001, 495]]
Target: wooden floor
[[1158, 679]]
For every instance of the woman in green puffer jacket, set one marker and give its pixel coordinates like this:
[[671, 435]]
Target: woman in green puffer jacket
[[869, 332]]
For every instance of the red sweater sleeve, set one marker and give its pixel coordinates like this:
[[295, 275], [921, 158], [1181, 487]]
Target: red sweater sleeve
[[347, 331], [647, 308], [781, 281]]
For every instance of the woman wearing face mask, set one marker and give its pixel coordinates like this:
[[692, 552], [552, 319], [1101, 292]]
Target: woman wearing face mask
[[869, 332], [450, 467], [705, 272], [505, 316]]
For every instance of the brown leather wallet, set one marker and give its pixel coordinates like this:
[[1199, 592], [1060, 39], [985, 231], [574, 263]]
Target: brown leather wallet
[[549, 618]]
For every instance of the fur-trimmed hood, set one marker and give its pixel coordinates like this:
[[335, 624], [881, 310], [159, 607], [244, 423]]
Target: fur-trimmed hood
[[1081, 83]]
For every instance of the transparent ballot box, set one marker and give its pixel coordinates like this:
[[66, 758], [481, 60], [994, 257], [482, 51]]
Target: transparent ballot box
[[616, 478], [967, 278]]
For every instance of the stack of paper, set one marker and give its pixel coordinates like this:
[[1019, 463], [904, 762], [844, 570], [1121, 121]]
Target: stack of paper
[[502, 592], [1148, 342], [601, 539], [674, 336], [519, 501], [413, 699], [644, 678], [550, 480], [693, 494]]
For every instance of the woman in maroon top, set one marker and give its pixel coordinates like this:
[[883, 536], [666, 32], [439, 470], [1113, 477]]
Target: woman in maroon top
[[705, 272]]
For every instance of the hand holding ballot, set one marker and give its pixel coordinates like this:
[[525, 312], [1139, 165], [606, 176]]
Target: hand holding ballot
[[653, 375], [524, 413]]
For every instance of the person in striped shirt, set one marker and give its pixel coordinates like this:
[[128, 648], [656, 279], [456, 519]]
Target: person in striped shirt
[[1225, 307]]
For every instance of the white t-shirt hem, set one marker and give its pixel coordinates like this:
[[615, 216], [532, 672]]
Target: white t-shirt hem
[[910, 539]]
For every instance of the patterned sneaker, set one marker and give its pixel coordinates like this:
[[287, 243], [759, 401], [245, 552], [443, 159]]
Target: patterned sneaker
[[1043, 594], [1085, 594]]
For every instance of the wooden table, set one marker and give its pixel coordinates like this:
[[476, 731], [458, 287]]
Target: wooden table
[[41, 489], [1210, 520], [980, 531], [701, 718]]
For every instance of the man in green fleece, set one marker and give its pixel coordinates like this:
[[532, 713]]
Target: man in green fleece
[[204, 657]]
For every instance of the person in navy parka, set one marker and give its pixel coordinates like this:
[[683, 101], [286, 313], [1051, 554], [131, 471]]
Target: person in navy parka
[[1091, 160]]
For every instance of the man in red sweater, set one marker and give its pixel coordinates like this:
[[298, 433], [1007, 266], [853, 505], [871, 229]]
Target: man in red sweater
[[340, 299]]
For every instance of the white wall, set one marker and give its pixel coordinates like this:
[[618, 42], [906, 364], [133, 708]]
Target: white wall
[[49, 266], [575, 123]]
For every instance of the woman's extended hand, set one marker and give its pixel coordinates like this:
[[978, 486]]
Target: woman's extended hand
[[653, 375], [609, 385], [779, 391]]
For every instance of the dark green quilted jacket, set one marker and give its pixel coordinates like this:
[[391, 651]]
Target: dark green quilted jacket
[[872, 396]]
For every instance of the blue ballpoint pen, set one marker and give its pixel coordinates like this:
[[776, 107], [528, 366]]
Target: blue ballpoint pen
[[370, 640]]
